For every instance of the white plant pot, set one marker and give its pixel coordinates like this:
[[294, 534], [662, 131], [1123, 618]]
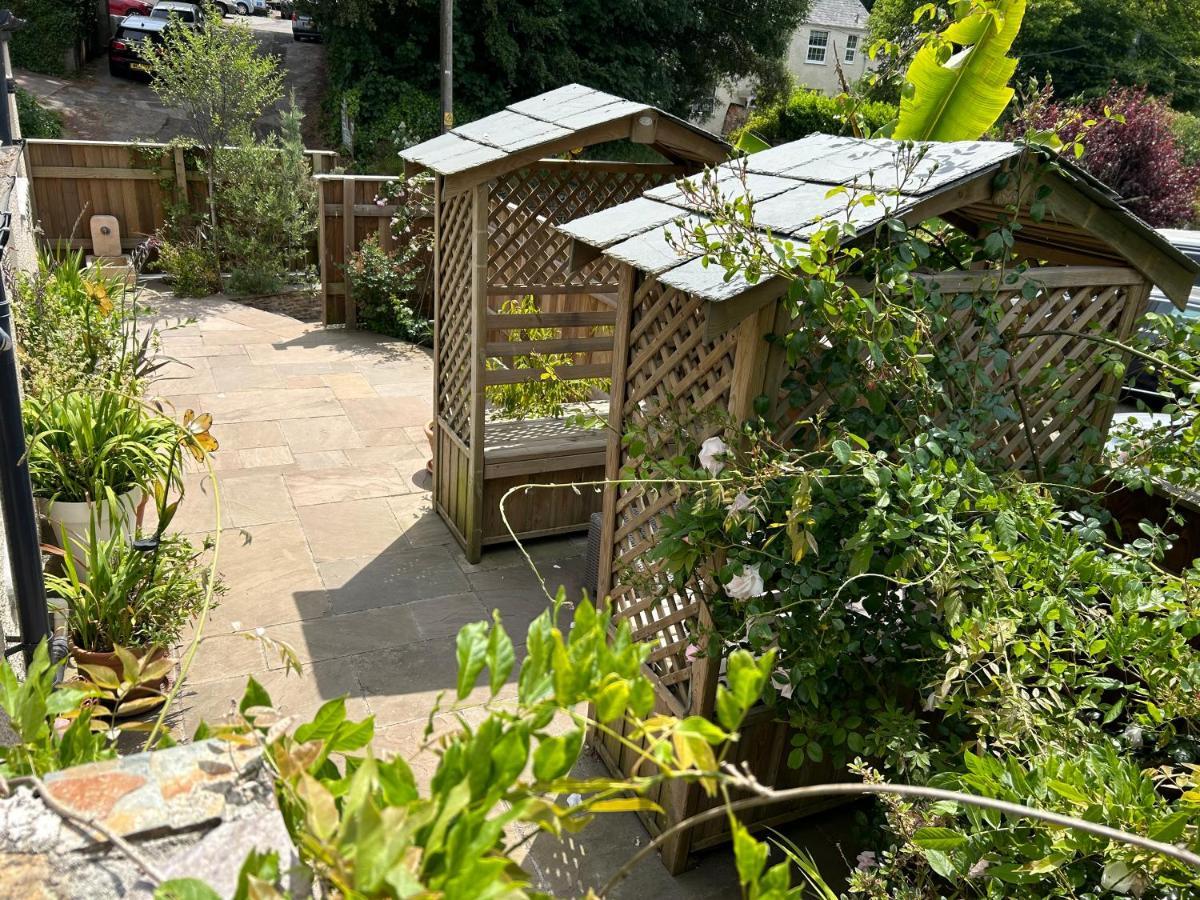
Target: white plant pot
[[74, 521]]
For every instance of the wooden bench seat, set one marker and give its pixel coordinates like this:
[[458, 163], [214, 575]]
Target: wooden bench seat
[[542, 445], [547, 452]]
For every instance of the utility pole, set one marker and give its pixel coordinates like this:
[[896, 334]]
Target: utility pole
[[447, 65]]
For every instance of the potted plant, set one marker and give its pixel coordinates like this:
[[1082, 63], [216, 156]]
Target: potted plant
[[93, 456], [136, 601]]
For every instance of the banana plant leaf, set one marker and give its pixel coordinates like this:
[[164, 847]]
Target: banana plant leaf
[[748, 142], [960, 97]]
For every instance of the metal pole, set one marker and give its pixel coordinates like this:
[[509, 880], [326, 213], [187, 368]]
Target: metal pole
[[16, 494], [447, 22], [10, 128]]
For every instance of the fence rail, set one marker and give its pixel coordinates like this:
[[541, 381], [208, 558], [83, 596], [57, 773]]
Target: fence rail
[[135, 182]]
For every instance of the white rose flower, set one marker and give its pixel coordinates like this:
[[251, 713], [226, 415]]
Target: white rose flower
[[709, 451], [747, 585]]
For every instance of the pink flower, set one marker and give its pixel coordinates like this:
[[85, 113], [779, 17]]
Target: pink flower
[[381, 201], [866, 860]]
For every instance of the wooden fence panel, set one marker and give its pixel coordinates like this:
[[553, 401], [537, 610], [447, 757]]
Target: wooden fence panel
[[75, 180], [343, 230]]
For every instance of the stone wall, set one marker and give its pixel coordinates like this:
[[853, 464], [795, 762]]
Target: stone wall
[[195, 811]]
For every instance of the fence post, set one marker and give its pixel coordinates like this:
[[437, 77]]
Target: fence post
[[181, 188], [348, 248]]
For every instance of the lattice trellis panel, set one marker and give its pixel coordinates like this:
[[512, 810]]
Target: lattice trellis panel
[[455, 316], [526, 251], [1060, 376], [673, 372]]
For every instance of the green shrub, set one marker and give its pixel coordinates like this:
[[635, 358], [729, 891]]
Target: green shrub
[[76, 326], [385, 293], [389, 115], [807, 112], [51, 30], [1186, 128], [37, 121], [118, 594], [90, 444], [192, 269], [266, 209]]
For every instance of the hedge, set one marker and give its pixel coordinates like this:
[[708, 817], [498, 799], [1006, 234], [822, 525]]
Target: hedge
[[52, 28], [806, 112]]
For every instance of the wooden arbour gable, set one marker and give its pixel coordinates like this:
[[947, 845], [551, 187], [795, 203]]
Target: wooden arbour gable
[[688, 341], [498, 198]]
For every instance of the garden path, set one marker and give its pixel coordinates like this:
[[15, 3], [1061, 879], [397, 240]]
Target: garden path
[[329, 542]]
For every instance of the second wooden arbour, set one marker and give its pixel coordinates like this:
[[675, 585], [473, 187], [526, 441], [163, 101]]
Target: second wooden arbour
[[688, 340], [499, 191]]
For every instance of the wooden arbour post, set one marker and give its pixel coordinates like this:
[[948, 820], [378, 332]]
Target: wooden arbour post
[[502, 185]]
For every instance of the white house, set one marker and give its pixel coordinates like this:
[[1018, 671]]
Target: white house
[[831, 44]]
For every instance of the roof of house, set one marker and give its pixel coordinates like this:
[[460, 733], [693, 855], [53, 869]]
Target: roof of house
[[790, 188], [560, 120], [839, 13]]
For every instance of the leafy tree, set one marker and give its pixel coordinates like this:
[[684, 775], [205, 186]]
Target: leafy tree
[[1082, 45], [217, 76], [1131, 148], [668, 52]]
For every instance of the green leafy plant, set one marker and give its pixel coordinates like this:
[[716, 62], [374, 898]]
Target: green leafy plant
[[219, 78], [36, 120], [192, 268], [549, 396], [386, 288], [77, 326], [959, 77], [806, 112], [90, 445], [33, 706], [366, 829], [266, 209], [119, 592]]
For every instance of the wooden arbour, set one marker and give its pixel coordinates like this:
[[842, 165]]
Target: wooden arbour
[[498, 194], [688, 341]]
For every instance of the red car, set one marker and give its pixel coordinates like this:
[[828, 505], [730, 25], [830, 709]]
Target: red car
[[124, 8]]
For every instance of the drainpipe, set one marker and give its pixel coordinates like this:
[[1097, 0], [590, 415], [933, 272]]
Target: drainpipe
[[16, 494]]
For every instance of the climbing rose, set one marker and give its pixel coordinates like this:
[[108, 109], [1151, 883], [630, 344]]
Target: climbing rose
[[747, 585], [709, 451]]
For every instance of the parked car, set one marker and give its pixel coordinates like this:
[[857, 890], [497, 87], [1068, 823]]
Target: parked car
[[243, 7], [189, 13], [123, 8], [131, 44], [304, 28], [1140, 384]]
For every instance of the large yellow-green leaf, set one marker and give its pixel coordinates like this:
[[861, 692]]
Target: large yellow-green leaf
[[960, 98]]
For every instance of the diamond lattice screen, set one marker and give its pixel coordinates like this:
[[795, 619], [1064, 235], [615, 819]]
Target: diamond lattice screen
[[673, 372], [454, 315], [526, 251]]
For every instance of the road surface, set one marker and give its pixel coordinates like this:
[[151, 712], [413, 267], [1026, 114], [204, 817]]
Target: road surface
[[98, 107]]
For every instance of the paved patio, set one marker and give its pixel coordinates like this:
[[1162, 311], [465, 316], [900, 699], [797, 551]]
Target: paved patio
[[330, 543]]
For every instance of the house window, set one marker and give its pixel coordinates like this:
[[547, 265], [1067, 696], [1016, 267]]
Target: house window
[[851, 47], [817, 42]]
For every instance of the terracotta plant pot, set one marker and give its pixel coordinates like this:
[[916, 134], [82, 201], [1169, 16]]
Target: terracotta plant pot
[[110, 660], [432, 451]]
